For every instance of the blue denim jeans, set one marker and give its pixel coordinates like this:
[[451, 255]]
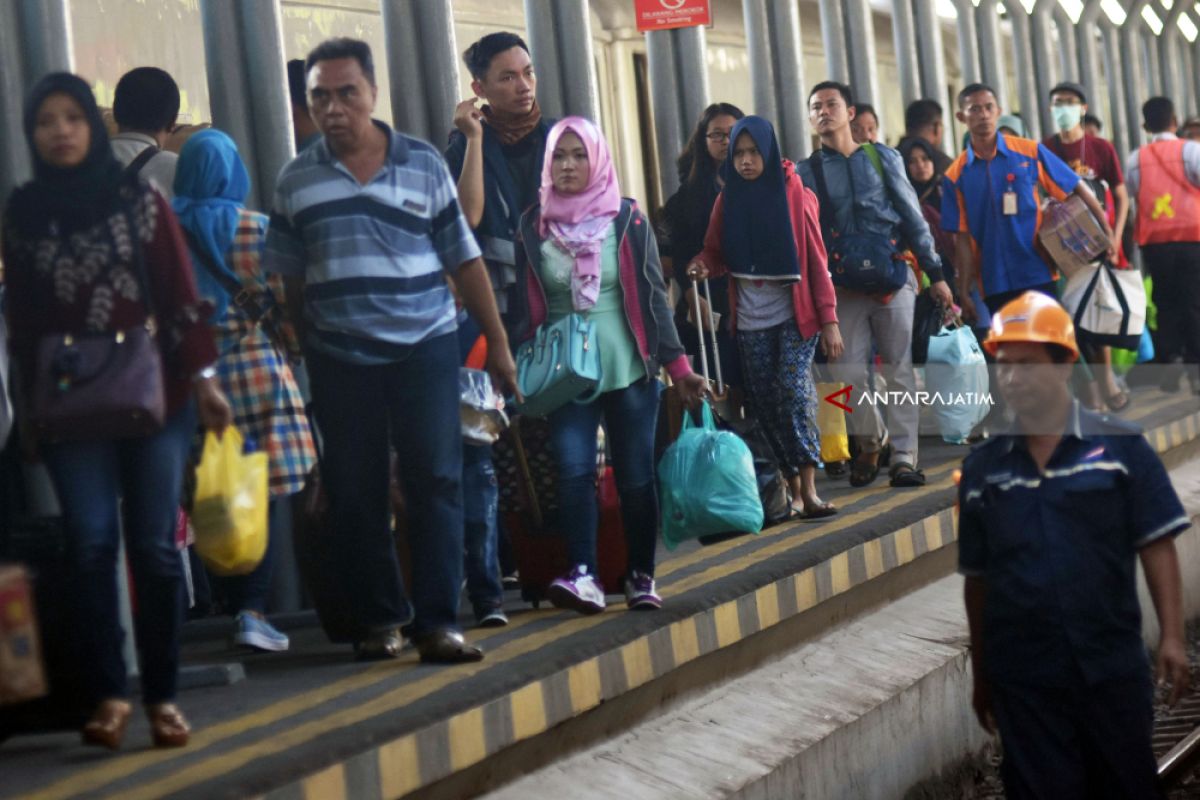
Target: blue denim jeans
[[629, 417], [250, 592], [92, 479], [411, 404], [481, 499]]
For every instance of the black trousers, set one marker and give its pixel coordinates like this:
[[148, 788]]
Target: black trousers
[[1078, 743], [1175, 268]]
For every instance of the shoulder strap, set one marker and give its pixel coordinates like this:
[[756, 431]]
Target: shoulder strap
[[876, 161], [822, 189], [243, 298], [142, 159]]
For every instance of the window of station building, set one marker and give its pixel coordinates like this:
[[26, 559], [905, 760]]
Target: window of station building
[[109, 39]]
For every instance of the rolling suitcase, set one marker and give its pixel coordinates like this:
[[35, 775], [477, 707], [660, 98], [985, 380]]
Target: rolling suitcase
[[538, 545]]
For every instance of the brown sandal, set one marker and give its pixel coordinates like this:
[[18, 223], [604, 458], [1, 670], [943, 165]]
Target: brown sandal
[[107, 726], [168, 726]]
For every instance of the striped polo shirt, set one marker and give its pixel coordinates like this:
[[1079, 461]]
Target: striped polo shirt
[[374, 257]]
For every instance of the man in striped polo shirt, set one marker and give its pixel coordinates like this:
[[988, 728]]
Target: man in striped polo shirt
[[366, 229]]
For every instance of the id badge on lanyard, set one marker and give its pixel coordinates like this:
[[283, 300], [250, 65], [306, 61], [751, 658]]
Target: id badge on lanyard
[[1009, 202]]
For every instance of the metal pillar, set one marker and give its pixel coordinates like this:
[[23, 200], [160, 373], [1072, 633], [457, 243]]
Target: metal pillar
[[1068, 54], [1195, 64], [679, 93], [560, 41], [1023, 67], [930, 52], [991, 50], [968, 42], [904, 40], [860, 49], [833, 39], [1045, 62], [1115, 78], [35, 39], [1087, 51], [422, 63], [247, 85], [776, 71], [1136, 87], [1151, 64], [1188, 63]]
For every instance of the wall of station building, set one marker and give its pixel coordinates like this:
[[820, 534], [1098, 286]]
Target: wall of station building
[[112, 36]]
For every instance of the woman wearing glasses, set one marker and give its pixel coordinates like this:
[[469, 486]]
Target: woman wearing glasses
[[684, 221]]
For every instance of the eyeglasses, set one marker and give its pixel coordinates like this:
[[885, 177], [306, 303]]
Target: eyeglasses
[[717, 137]]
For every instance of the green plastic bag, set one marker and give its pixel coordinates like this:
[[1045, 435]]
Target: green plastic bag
[[707, 483]]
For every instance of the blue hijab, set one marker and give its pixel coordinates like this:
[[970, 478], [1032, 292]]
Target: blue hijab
[[757, 239], [211, 184]]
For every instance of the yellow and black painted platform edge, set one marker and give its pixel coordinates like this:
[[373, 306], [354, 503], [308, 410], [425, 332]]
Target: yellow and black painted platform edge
[[418, 759]]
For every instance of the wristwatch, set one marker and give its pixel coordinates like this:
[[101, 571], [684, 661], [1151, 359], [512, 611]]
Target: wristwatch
[[205, 374]]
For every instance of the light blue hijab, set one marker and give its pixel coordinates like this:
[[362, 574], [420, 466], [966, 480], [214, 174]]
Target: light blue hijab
[[211, 184]]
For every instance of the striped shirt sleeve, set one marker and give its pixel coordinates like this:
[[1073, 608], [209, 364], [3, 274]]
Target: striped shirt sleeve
[[284, 253], [451, 235]]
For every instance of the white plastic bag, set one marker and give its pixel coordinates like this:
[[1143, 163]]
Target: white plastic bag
[[956, 376], [481, 407]]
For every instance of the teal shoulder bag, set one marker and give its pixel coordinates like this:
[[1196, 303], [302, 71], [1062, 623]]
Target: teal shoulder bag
[[559, 365]]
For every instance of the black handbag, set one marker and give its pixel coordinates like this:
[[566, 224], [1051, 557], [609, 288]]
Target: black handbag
[[108, 385]]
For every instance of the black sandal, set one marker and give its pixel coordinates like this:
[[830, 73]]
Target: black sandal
[[835, 469], [905, 475], [863, 474]]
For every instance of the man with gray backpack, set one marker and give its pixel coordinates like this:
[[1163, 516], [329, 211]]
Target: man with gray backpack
[[870, 216]]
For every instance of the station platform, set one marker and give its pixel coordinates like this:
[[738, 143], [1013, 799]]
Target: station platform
[[312, 723]]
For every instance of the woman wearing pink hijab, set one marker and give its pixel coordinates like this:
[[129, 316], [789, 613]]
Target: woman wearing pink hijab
[[585, 249]]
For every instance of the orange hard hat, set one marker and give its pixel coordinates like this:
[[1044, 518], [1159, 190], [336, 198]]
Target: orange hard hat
[[1032, 317]]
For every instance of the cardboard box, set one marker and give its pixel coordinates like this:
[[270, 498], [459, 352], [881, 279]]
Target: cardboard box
[[1070, 235], [22, 676]]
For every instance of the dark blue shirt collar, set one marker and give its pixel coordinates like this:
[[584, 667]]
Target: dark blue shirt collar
[[1001, 147]]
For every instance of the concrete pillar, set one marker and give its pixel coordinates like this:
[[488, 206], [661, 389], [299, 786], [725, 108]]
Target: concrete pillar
[[1068, 54], [931, 54], [35, 39], [777, 71], [991, 50], [1188, 63], [1151, 63], [1087, 48], [422, 60], [904, 40], [247, 85], [1194, 49], [679, 93], [1023, 67], [968, 42], [560, 42], [860, 49], [1114, 71], [833, 39], [1045, 62], [1136, 86]]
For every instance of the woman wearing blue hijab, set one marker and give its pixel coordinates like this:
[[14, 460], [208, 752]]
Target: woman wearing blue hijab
[[226, 242], [765, 233]]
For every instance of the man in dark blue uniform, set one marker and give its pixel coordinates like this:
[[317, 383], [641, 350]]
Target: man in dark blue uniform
[[1052, 519]]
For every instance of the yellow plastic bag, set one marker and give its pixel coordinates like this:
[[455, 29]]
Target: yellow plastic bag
[[229, 514], [831, 421]]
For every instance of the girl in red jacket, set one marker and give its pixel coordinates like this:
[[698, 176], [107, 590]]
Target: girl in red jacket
[[765, 232]]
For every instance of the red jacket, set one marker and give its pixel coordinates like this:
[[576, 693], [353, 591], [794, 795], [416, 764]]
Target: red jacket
[[813, 299]]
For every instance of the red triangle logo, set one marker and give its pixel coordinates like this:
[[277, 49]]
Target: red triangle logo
[[844, 393]]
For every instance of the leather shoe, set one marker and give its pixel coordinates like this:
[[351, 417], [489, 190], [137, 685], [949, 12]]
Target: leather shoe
[[106, 728], [446, 647], [168, 726], [379, 646]]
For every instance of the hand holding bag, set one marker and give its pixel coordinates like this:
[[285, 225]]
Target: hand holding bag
[[559, 365]]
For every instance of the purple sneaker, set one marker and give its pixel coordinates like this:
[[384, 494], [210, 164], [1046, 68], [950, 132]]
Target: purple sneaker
[[577, 591], [640, 594]]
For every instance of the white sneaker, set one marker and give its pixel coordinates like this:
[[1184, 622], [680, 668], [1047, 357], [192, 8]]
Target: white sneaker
[[578, 591]]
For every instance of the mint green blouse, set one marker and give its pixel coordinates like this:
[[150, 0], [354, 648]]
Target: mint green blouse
[[618, 349]]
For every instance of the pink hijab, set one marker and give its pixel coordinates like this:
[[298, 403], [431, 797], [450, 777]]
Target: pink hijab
[[578, 223]]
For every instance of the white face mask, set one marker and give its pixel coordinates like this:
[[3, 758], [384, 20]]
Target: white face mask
[[1067, 117]]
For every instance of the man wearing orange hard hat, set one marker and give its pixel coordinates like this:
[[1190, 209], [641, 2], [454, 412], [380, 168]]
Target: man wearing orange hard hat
[[1053, 516]]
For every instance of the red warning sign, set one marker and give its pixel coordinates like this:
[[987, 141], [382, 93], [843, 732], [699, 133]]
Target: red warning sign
[[661, 15]]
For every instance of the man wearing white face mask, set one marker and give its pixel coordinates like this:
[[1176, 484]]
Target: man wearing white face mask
[[1095, 160]]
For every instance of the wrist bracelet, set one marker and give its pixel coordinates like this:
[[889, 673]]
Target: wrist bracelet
[[205, 374]]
